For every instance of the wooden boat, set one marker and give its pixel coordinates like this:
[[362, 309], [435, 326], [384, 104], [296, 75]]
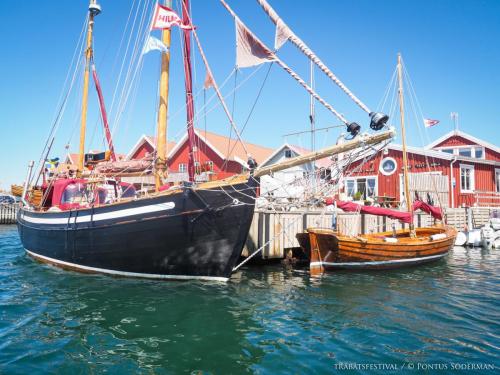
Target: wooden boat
[[93, 223], [330, 249]]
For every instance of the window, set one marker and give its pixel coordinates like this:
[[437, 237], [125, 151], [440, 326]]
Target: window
[[467, 152], [365, 186], [288, 154], [466, 178], [497, 180], [388, 166], [210, 165], [182, 167], [197, 168], [478, 153], [448, 150]]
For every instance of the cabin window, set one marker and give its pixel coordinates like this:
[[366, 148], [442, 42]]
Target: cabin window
[[182, 167], [128, 191], [388, 166], [466, 178], [75, 193], [288, 154], [467, 152]]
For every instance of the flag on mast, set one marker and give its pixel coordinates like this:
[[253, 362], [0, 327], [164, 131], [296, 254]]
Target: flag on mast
[[429, 122], [154, 44], [249, 50], [165, 18]]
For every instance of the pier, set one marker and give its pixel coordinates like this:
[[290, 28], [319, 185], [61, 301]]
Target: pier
[[8, 213], [275, 231]]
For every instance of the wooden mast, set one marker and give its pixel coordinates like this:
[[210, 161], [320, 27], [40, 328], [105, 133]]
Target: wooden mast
[[403, 137], [94, 10], [161, 146]]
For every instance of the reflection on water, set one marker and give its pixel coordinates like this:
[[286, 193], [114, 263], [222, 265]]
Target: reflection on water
[[265, 320]]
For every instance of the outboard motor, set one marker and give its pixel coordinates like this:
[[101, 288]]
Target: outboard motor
[[378, 120]]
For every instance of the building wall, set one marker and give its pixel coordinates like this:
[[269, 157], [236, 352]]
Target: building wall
[[203, 155], [457, 140], [144, 149], [484, 176]]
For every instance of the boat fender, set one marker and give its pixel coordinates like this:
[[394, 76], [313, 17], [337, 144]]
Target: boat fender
[[391, 239], [461, 239], [439, 236]]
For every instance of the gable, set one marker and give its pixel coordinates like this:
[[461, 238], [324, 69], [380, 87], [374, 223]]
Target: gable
[[456, 140]]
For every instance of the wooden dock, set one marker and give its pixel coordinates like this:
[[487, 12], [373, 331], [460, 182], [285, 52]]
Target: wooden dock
[[8, 213], [275, 231]]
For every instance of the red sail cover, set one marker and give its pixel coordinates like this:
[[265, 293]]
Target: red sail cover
[[432, 210], [403, 216]]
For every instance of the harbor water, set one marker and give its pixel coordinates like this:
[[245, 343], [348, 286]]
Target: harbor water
[[267, 319]]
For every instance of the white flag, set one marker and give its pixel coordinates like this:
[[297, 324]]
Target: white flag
[[154, 44], [250, 51], [282, 34]]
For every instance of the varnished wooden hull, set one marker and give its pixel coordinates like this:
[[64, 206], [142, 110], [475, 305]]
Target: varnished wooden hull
[[332, 250]]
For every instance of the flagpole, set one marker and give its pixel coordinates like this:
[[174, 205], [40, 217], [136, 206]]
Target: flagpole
[[94, 10], [161, 133]]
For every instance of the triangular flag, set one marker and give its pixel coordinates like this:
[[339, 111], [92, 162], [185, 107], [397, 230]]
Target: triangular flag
[[429, 122], [282, 34], [249, 50], [209, 81], [154, 44]]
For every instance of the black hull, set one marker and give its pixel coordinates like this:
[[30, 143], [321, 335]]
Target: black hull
[[188, 234]]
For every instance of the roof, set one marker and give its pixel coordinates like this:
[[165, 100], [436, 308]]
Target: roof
[[321, 163], [152, 140], [466, 136], [221, 145]]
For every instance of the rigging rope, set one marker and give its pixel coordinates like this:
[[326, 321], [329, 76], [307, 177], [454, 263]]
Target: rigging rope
[[287, 69], [309, 53]]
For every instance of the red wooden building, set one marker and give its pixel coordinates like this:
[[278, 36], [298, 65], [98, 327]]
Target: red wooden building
[[462, 169], [215, 154]]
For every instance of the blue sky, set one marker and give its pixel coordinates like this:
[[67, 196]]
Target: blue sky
[[450, 47]]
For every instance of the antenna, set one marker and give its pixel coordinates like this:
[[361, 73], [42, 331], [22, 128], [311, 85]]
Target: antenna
[[454, 118]]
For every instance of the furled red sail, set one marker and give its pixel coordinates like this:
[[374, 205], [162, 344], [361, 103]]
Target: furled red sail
[[435, 212], [403, 216]]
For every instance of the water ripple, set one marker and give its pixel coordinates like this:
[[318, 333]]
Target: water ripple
[[266, 320]]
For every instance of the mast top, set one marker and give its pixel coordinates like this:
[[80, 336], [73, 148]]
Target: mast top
[[94, 8]]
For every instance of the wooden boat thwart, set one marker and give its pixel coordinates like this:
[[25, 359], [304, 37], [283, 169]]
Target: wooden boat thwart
[[332, 250]]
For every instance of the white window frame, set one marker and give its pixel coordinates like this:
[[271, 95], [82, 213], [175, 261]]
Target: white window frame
[[288, 151], [355, 179], [472, 147], [382, 163], [182, 167], [471, 176]]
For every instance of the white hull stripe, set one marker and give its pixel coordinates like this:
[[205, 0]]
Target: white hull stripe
[[127, 274], [102, 216], [376, 263]]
